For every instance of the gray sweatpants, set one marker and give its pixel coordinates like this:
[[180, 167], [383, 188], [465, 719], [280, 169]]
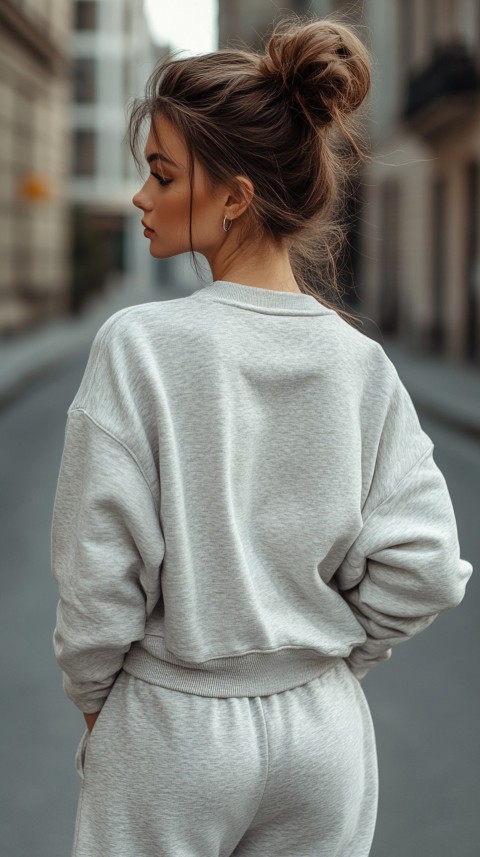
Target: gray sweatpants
[[166, 773]]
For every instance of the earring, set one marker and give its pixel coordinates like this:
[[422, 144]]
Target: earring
[[227, 228]]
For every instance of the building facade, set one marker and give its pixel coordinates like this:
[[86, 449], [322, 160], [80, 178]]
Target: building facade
[[34, 161], [420, 271], [113, 54]]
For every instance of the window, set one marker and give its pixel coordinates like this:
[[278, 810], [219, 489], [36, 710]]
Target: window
[[84, 153], [86, 14], [84, 80]]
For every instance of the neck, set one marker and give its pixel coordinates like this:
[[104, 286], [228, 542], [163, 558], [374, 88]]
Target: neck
[[267, 268]]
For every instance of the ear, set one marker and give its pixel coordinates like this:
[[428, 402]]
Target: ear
[[239, 197]]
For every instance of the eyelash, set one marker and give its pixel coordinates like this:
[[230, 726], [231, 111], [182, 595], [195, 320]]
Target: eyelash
[[159, 179]]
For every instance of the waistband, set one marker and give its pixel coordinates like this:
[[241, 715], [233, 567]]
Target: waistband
[[252, 674]]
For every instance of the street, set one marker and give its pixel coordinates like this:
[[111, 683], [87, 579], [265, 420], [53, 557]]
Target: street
[[424, 701]]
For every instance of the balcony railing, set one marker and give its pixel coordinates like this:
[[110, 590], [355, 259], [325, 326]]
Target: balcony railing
[[449, 80]]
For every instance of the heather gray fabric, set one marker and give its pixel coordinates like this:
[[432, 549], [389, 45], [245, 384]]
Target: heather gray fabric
[[172, 774], [244, 479]]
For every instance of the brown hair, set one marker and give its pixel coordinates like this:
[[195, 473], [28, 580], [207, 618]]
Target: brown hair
[[282, 118]]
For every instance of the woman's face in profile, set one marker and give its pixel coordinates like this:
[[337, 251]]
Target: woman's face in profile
[[164, 199]]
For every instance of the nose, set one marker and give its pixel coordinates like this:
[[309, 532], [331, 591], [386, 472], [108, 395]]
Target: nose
[[140, 201]]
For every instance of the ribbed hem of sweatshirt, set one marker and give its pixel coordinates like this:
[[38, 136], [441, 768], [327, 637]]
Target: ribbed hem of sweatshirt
[[253, 674], [257, 298]]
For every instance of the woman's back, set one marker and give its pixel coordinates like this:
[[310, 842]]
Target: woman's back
[[268, 437]]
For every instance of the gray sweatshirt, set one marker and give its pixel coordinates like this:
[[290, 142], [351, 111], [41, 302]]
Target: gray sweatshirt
[[243, 472]]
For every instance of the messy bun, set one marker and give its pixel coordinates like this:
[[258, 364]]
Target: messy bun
[[285, 117], [322, 67]]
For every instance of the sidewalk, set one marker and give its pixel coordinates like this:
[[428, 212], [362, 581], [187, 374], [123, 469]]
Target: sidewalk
[[440, 387]]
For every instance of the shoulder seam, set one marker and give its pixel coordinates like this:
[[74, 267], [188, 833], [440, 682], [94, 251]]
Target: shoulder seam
[[119, 442], [102, 333], [404, 477]]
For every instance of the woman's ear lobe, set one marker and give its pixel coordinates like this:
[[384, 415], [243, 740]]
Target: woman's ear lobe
[[240, 197]]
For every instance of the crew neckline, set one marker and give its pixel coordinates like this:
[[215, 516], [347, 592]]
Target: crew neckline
[[256, 297]]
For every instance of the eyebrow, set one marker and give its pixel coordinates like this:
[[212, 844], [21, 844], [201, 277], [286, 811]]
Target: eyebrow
[[156, 156]]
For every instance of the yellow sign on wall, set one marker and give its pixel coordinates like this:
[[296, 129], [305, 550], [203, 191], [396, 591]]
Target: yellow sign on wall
[[34, 186]]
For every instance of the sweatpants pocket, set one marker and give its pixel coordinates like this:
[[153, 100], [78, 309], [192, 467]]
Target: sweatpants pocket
[[80, 754]]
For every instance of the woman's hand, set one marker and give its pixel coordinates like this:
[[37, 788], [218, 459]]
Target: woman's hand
[[90, 720]]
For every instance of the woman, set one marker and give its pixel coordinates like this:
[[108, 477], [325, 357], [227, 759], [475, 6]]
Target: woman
[[248, 514]]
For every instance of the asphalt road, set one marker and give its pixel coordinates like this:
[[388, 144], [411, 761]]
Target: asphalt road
[[424, 701]]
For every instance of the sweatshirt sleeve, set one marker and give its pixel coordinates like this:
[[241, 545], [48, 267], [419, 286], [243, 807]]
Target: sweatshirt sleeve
[[404, 568], [107, 549]]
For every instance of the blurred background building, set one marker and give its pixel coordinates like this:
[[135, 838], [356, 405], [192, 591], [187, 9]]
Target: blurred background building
[[68, 71], [113, 55], [420, 247], [35, 38]]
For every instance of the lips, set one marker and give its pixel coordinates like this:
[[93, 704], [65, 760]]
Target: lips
[[148, 228]]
